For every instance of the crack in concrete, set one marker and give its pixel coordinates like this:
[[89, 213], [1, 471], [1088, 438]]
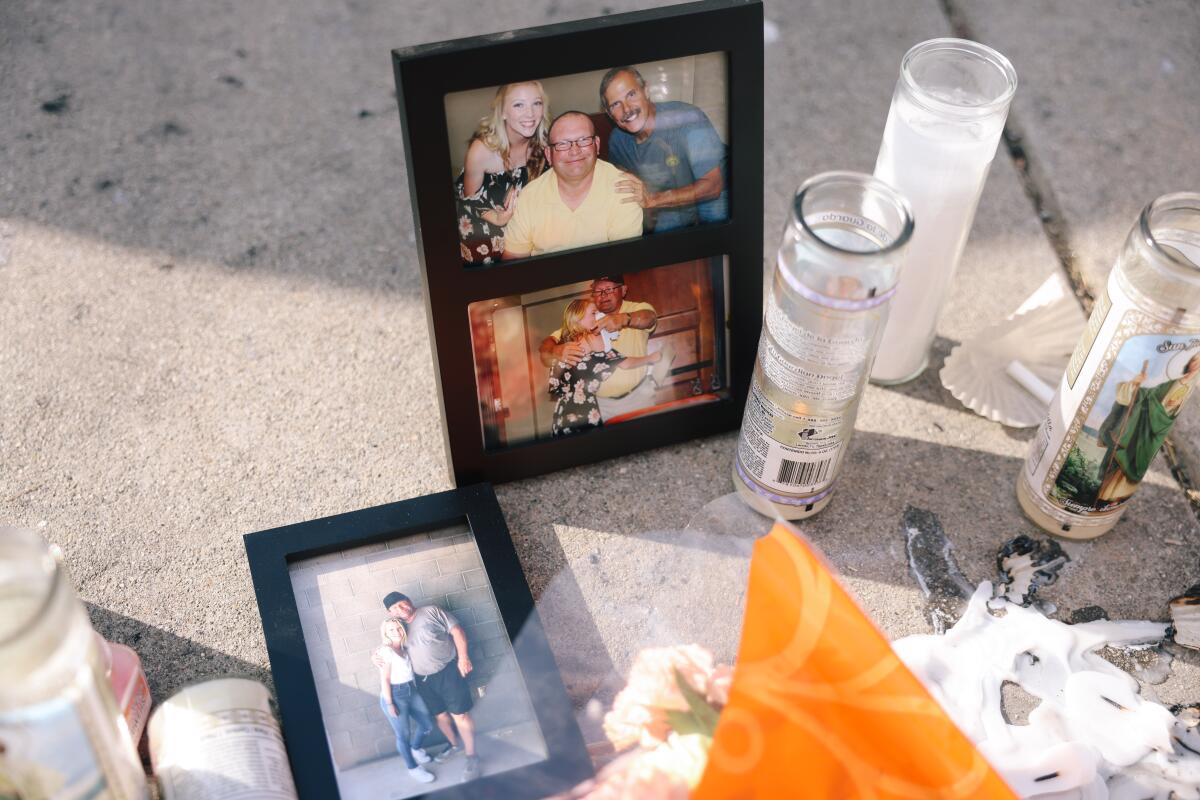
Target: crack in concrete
[[1045, 203], [1033, 180]]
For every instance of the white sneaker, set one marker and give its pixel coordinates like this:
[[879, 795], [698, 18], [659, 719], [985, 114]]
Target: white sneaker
[[421, 775], [420, 756]]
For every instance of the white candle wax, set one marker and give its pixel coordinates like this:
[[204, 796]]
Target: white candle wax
[[940, 167]]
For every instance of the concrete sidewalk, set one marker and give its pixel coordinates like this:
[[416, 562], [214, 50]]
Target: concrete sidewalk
[[211, 318]]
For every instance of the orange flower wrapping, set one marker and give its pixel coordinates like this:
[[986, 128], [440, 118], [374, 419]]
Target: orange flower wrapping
[[820, 706]]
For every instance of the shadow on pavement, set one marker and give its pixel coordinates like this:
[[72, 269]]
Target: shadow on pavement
[[928, 385], [171, 662], [1132, 572]]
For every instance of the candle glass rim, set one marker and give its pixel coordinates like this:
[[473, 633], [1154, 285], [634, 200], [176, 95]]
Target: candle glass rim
[[981, 52], [1168, 202], [54, 576], [867, 183]]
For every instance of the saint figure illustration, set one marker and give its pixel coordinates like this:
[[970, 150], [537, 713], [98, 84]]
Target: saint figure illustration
[[1136, 427]]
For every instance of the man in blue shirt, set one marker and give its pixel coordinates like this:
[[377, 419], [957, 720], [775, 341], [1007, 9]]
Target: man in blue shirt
[[671, 147]]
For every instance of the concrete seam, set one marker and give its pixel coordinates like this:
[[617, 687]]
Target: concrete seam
[[1037, 187]]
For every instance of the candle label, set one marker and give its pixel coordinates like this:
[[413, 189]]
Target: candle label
[[1084, 348], [1114, 410], [49, 750], [847, 351], [788, 452], [809, 365], [804, 383]]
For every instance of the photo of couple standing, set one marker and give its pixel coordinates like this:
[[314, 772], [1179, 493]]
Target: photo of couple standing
[[423, 665], [425, 692], [533, 180]]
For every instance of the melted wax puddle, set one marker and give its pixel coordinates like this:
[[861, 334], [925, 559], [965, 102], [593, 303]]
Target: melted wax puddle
[[1091, 736]]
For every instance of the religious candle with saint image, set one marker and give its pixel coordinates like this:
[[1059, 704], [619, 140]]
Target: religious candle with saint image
[[1136, 365]]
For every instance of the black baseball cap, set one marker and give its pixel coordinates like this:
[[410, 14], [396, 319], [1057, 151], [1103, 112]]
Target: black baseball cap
[[393, 598]]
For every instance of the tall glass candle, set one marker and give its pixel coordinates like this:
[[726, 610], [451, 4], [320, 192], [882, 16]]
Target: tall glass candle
[[1134, 368], [836, 271], [945, 122]]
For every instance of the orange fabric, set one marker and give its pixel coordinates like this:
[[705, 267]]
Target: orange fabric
[[820, 705]]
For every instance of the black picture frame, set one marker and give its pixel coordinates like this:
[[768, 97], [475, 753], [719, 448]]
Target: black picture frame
[[425, 74], [270, 553]]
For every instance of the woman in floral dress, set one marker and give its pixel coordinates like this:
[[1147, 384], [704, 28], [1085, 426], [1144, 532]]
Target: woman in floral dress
[[506, 152], [576, 409]]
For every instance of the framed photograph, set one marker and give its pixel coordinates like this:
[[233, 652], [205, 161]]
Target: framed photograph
[[408, 657], [616, 162], [676, 177], [671, 354]]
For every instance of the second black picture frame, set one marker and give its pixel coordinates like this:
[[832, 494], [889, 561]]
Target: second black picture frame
[[418, 575], [681, 289]]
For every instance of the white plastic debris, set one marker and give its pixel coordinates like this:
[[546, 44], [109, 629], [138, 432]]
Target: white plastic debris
[[1031, 383], [1039, 337]]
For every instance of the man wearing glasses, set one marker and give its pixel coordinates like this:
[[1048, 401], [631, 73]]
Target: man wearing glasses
[[575, 203], [626, 326]]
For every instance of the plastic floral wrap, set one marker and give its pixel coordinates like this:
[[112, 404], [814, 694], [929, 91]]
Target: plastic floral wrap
[[818, 706], [640, 711]]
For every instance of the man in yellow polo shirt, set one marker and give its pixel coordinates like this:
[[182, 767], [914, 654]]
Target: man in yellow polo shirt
[[575, 203], [628, 325]]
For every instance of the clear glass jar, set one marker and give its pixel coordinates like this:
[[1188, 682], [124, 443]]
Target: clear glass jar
[[836, 272], [1133, 370], [61, 732], [946, 118]]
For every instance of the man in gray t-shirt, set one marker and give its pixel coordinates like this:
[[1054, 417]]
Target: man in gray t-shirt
[[437, 648], [430, 644]]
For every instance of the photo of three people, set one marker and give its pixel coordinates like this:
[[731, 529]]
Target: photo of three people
[[584, 159]]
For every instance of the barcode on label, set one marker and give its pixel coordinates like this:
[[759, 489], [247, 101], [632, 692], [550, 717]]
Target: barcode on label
[[795, 473]]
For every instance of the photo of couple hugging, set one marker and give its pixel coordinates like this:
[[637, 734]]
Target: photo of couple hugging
[[532, 182], [586, 355], [598, 358], [423, 664]]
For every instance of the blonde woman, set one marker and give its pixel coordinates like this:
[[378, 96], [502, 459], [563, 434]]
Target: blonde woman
[[576, 408], [506, 152], [400, 701]]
